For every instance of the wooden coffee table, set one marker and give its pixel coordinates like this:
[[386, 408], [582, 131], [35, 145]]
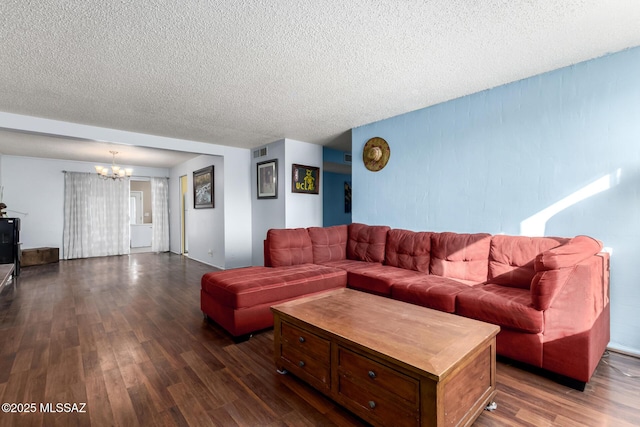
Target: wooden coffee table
[[389, 362]]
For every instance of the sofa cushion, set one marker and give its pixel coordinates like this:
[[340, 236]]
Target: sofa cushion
[[367, 242], [251, 286], [546, 285], [429, 291], [290, 246], [501, 305], [329, 243], [569, 254], [460, 256], [512, 258], [349, 265], [408, 249], [377, 278]]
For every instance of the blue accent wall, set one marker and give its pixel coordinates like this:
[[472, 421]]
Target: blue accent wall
[[333, 203], [334, 193], [555, 154]]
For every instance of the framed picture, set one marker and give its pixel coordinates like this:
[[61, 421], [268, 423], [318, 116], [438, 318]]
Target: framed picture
[[203, 188], [347, 197], [268, 179], [305, 179]]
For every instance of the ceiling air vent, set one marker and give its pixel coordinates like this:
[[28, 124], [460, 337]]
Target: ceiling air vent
[[347, 157], [261, 152]]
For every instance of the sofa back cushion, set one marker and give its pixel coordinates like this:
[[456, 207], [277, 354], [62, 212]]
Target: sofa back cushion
[[571, 253], [288, 246], [367, 242], [329, 243], [512, 258], [408, 249], [460, 256]]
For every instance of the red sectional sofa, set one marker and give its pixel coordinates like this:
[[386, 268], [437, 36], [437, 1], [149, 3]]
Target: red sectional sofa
[[549, 295]]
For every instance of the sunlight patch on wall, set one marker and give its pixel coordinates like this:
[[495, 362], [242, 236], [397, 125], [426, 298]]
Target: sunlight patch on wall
[[536, 224]]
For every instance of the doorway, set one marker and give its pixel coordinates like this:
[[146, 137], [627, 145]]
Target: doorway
[[184, 242], [140, 219], [135, 207]]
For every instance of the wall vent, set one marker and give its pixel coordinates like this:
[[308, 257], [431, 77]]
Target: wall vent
[[260, 152], [347, 157]]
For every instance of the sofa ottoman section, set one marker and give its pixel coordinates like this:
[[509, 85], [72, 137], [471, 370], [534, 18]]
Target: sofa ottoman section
[[239, 300]]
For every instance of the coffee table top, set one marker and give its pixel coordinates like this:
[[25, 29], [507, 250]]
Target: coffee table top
[[430, 341]]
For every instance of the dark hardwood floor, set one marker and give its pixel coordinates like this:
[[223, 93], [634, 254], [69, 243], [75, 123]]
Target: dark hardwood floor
[[125, 336]]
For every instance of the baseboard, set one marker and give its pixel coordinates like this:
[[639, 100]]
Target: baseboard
[[628, 351], [207, 263]]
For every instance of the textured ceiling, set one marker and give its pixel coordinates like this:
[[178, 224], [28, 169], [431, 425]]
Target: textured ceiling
[[246, 73], [99, 152]]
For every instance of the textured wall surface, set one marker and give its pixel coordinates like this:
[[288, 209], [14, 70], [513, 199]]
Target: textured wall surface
[[556, 154]]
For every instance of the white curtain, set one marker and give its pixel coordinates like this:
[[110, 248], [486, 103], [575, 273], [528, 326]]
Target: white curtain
[[96, 216], [160, 214]]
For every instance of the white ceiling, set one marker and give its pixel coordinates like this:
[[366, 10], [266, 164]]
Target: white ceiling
[[245, 73], [99, 152]]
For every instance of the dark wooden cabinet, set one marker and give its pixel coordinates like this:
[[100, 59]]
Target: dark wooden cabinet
[[10, 243]]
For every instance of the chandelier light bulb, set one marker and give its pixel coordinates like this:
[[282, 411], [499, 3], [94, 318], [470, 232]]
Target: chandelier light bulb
[[114, 172]]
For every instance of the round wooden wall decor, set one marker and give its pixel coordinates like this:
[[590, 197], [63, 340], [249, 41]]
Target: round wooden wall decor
[[376, 154]]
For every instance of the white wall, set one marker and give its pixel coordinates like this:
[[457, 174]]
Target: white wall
[[35, 187], [289, 210], [302, 210], [205, 227], [267, 213], [237, 208]]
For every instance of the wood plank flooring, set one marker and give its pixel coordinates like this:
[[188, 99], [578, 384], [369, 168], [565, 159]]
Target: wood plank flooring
[[125, 336]]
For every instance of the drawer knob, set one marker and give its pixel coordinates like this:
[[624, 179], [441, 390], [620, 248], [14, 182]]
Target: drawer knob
[[301, 339], [372, 375], [372, 404], [301, 364]]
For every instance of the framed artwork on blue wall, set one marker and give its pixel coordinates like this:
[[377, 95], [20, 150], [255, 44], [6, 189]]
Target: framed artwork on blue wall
[[347, 197]]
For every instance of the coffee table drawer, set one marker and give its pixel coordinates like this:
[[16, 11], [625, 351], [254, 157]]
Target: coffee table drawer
[[372, 375], [306, 342], [304, 365], [373, 407]]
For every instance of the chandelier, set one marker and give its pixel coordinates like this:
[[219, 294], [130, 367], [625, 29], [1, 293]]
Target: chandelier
[[116, 171]]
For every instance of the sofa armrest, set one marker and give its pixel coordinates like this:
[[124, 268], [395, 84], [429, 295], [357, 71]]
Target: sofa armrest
[[546, 285], [589, 278], [571, 253], [554, 268]]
